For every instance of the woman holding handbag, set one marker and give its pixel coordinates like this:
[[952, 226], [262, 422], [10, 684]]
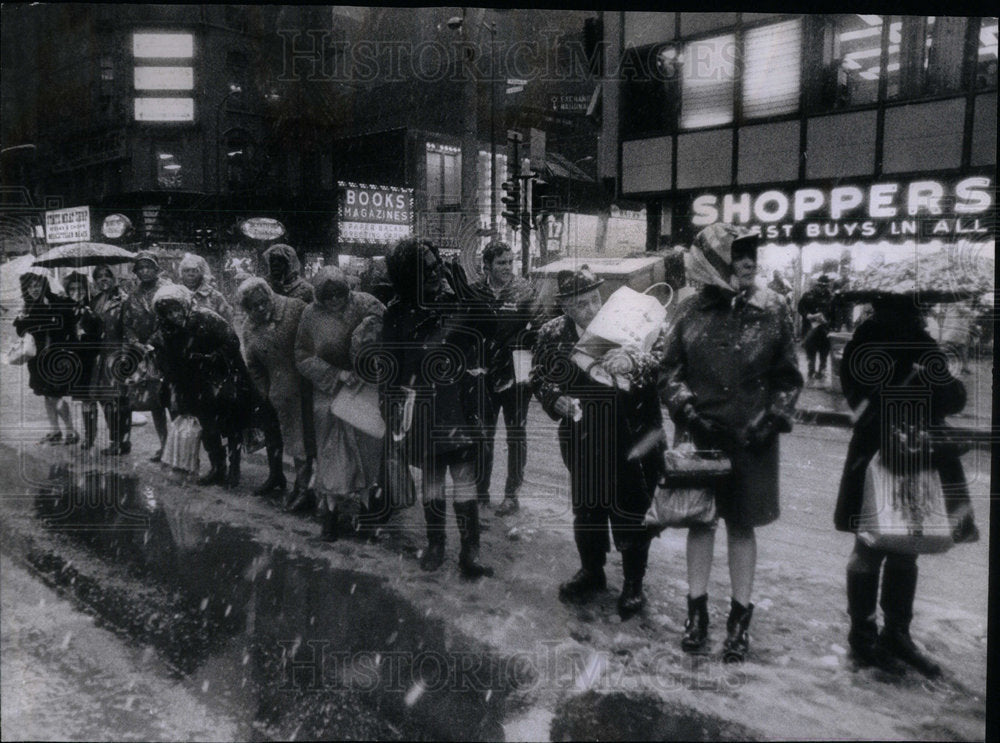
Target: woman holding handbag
[[893, 350], [729, 377], [48, 317]]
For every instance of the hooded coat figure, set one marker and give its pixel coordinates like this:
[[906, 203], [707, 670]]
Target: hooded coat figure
[[895, 377], [432, 392], [611, 441], [108, 304], [139, 324], [269, 334], [729, 377], [49, 318], [199, 355], [284, 273], [817, 309], [197, 277], [348, 461]]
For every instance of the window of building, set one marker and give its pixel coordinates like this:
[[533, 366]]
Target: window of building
[[843, 60], [772, 69], [925, 55], [650, 90], [238, 154], [444, 176], [162, 62], [235, 17], [708, 75], [237, 71], [986, 59]]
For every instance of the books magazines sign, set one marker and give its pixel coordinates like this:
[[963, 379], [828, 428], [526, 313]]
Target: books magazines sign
[[371, 215]]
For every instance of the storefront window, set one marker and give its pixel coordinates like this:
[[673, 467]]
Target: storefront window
[[444, 176], [925, 55], [986, 62], [708, 74], [772, 69], [169, 170], [843, 61]]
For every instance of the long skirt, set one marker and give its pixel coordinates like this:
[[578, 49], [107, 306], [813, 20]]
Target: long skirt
[[348, 461]]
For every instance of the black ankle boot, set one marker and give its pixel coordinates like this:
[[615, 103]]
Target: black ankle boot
[[862, 597], [217, 474], [737, 643], [695, 637], [329, 531], [434, 516], [467, 516], [275, 477], [899, 586], [585, 582]]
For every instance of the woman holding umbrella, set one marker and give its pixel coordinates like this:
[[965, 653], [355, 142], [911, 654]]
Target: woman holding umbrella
[[48, 317]]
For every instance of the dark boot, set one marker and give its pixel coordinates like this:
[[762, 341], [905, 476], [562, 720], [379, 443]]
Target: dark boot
[[467, 516], [737, 643], [434, 516], [695, 638], [509, 506], [275, 477], [899, 586], [329, 530], [862, 596], [632, 599], [590, 577], [233, 477], [89, 425], [217, 474]]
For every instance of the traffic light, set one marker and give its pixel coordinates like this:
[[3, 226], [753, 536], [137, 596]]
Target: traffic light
[[512, 202]]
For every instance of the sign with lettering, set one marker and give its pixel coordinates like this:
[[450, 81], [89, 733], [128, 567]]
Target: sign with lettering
[[115, 225], [67, 225], [374, 214], [893, 210], [262, 228]]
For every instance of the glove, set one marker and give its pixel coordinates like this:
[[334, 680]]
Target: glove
[[698, 425], [762, 434]]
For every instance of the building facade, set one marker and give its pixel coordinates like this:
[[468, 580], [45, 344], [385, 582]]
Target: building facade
[[847, 128]]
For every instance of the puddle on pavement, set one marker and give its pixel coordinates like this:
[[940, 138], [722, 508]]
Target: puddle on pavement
[[306, 650]]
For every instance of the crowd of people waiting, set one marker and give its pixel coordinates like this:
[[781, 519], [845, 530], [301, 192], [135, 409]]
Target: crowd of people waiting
[[439, 361]]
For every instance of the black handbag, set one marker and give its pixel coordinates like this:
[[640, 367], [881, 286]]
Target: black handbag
[[685, 494]]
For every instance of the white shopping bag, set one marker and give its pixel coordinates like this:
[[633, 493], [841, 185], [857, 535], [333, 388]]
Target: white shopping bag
[[628, 318]]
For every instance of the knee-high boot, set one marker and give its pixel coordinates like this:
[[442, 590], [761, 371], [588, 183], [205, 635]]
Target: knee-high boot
[[434, 514], [862, 598], [899, 586], [632, 599], [467, 516], [275, 475]]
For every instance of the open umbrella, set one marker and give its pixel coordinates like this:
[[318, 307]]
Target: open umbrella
[[84, 254]]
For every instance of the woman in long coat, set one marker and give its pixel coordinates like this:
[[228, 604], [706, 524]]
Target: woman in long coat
[[348, 461], [285, 273], [729, 376], [108, 306], [48, 317], [86, 331], [435, 348], [269, 335], [893, 351], [197, 277]]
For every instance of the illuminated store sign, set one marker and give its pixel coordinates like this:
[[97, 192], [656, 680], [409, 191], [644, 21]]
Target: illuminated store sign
[[892, 209]]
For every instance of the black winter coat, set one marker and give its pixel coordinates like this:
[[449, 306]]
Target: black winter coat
[[55, 366], [877, 371]]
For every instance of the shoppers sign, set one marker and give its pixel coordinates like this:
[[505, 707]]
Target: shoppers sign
[[67, 225], [889, 210], [374, 214]]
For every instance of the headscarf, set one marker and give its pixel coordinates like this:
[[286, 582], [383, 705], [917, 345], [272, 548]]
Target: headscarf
[[174, 292], [710, 260], [248, 285], [193, 260], [288, 254], [327, 278], [78, 277], [145, 255], [99, 269]]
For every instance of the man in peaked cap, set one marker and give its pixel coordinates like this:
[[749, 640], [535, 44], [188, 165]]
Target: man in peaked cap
[[610, 440]]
